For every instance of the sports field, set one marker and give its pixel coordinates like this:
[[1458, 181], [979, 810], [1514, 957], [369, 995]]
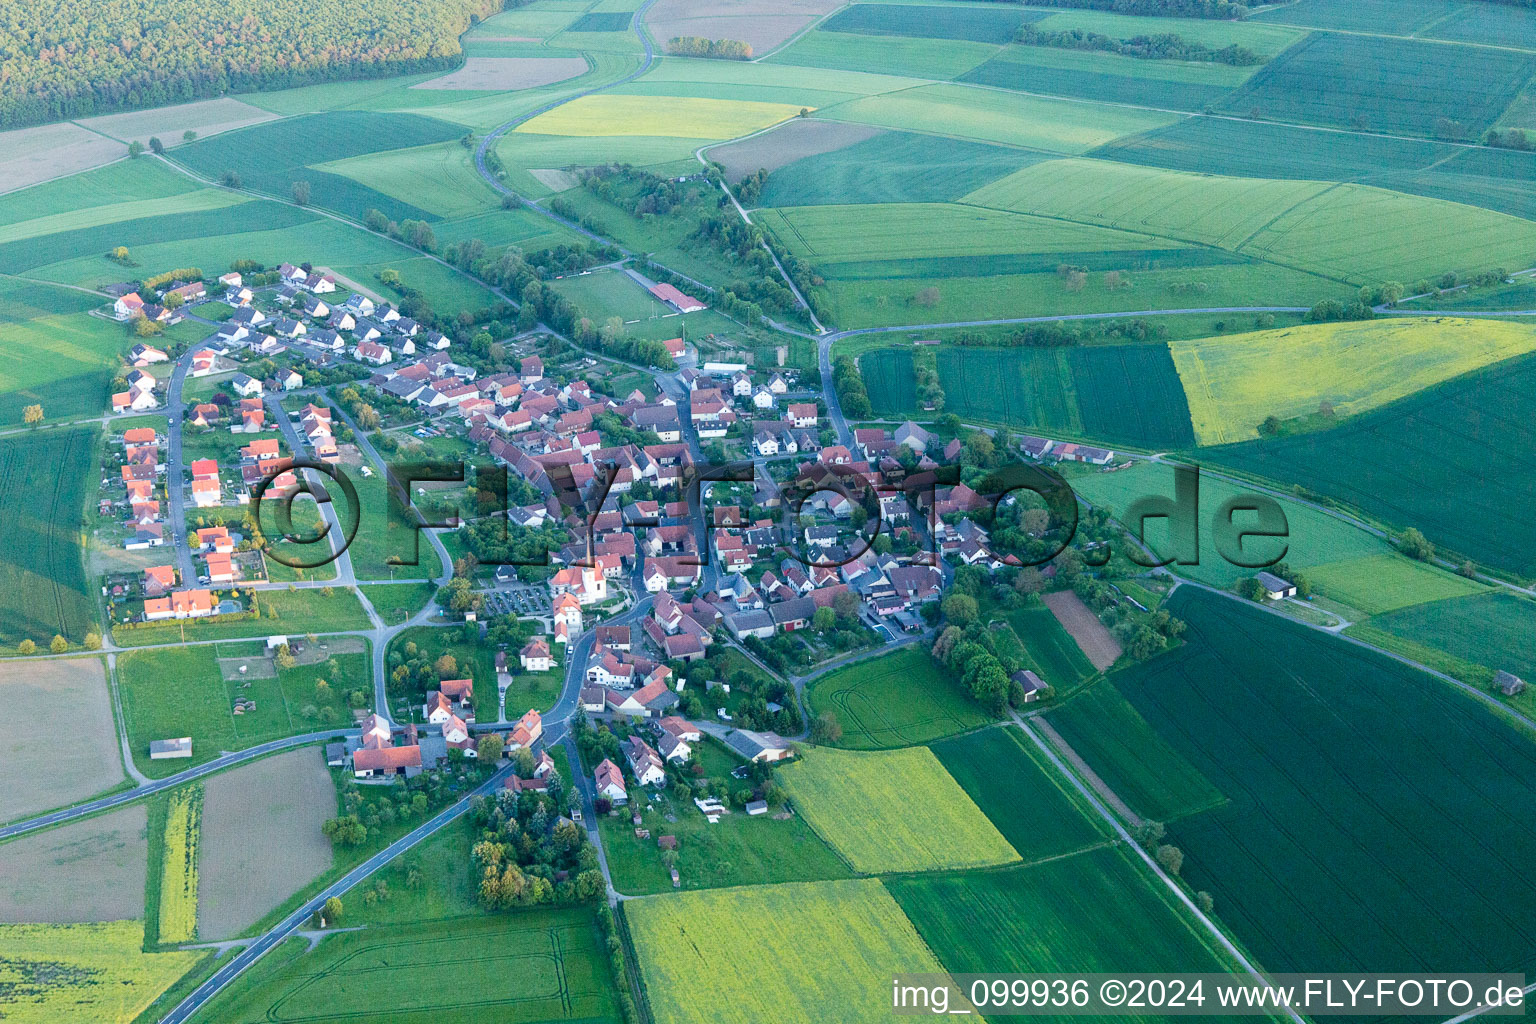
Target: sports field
[[706, 959], [682, 117], [925, 819], [96, 972], [536, 965], [1233, 383], [1313, 538], [1038, 815], [1492, 629], [43, 481], [1383, 583], [1437, 460], [895, 700], [1365, 797]]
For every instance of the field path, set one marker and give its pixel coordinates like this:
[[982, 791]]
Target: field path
[[1089, 775]]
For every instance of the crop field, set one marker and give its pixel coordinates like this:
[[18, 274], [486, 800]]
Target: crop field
[[1056, 656], [1035, 812], [270, 157], [1138, 765], [601, 21], [178, 877], [72, 690], [243, 875], [763, 24], [1165, 85], [495, 74], [440, 179], [78, 352], [790, 143], [88, 870], [186, 202], [927, 59], [1256, 149], [96, 972], [1131, 393], [1035, 122], [1386, 84], [1448, 460], [1492, 629], [1476, 23], [538, 965], [1313, 538], [1495, 179], [677, 117], [978, 24], [1206, 209], [890, 379], [1233, 383], [50, 151], [205, 117], [1095, 911], [925, 820], [1387, 16], [43, 480], [1026, 387], [122, 182], [897, 699], [706, 959], [1365, 797], [891, 167], [1384, 583]]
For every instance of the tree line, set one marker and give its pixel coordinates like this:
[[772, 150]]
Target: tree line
[[719, 49], [1220, 10], [75, 58], [1163, 46]]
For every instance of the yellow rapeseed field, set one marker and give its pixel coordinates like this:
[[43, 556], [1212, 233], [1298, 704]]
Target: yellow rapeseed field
[[797, 953], [678, 117], [178, 874], [1234, 383], [893, 810], [85, 972]]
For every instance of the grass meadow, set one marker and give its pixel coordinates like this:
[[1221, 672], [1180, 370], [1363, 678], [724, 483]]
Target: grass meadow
[[926, 820], [1492, 629], [706, 958], [896, 700], [1364, 797]]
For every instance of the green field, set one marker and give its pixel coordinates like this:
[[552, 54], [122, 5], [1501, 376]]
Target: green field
[[897, 699], [1137, 764], [1035, 812], [1165, 85], [923, 21], [1313, 537], [1055, 655], [270, 157], [1025, 387], [893, 810], [1130, 393], [889, 377], [52, 353], [928, 59], [440, 179], [605, 293], [533, 965], [1492, 629], [1365, 797], [1437, 460], [43, 485], [892, 167], [127, 181], [296, 611], [1384, 583], [1392, 17], [1265, 40], [706, 958], [1386, 84]]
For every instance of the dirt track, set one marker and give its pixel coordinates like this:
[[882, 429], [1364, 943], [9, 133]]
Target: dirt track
[[1091, 635]]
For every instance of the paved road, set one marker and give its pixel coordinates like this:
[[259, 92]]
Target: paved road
[[175, 486], [295, 921]]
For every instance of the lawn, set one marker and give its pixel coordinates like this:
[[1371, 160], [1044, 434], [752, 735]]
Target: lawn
[[706, 959], [1449, 460], [44, 480], [284, 611], [1139, 766], [1038, 815], [536, 965], [1365, 797], [1383, 583], [96, 972], [1233, 383], [1492, 629], [891, 167], [1313, 538], [674, 116], [893, 810], [1095, 911], [604, 293], [896, 699], [396, 602]]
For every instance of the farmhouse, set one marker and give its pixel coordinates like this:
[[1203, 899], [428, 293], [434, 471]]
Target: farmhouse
[[1032, 685]]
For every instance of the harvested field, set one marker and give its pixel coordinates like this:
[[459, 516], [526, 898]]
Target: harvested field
[[496, 74], [764, 24], [791, 141], [73, 691], [242, 874], [206, 117], [31, 155], [90, 870], [1091, 635]]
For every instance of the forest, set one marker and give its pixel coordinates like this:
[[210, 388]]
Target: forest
[[76, 58]]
